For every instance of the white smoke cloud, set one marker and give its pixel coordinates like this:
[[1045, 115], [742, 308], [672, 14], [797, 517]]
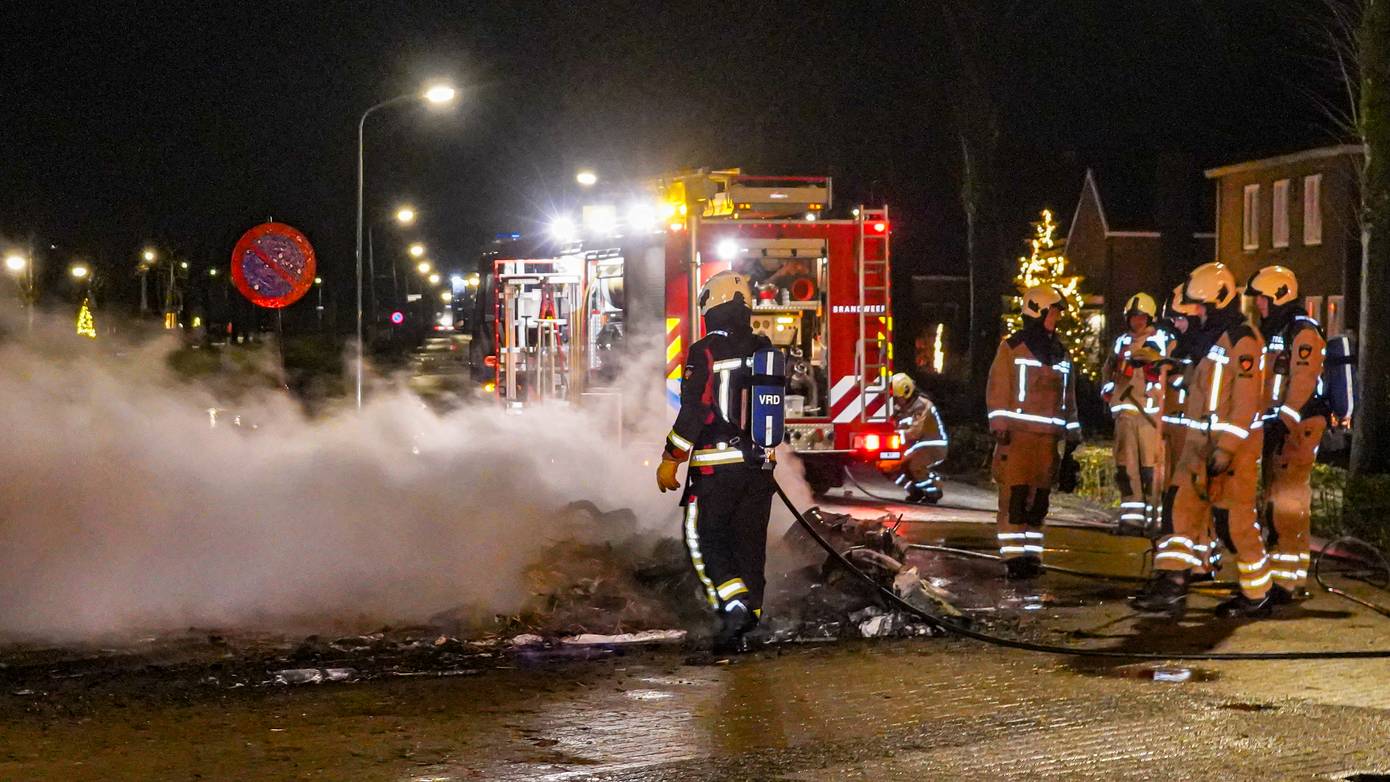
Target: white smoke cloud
[[121, 509]]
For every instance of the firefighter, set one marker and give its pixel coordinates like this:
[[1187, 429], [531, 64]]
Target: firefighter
[[1294, 420], [923, 440], [1179, 322], [1031, 397], [1218, 469], [1134, 391], [729, 487]]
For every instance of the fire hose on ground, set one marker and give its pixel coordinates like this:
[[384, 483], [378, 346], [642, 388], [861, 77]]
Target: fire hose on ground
[[966, 632]]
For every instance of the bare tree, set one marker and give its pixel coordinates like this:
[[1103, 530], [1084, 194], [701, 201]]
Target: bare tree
[[1370, 450]]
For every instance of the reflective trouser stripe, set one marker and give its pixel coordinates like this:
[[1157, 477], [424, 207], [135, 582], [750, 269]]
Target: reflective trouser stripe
[[731, 589], [1290, 569], [692, 542]]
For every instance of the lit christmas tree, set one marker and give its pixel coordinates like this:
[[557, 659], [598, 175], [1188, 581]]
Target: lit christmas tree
[[86, 324], [1046, 264]]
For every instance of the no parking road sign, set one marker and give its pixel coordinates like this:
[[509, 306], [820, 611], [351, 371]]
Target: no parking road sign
[[273, 265]]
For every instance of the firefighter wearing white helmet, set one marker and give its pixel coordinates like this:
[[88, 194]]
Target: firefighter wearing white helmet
[[1031, 398], [1133, 389], [1218, 468], [923, 440], [1295, 416], [728, 490]]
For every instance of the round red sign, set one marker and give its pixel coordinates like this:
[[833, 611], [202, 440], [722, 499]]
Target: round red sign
[[273, 265]]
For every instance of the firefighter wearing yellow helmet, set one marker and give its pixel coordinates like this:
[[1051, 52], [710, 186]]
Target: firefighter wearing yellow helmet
[[1133, 388], [1181, 323], [923, 440], [1031, 396], [1296, 414], [1218, 468], [729, 488]]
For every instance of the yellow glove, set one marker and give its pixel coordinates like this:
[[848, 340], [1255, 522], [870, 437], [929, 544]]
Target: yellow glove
[[666, 475], [1144, 355]]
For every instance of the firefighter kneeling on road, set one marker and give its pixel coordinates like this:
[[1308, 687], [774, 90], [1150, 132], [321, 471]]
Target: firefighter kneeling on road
[[729, 485], [1295, 417], [1218, 469], [1032, 405], [923, 440]]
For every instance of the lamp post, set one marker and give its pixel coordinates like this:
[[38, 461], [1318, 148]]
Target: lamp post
[[438, 94]]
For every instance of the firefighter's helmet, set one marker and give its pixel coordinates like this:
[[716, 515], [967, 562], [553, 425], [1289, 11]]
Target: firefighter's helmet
[[1141, 303], [1211, 284], [1276, 282], [1180, 307], [1039, 298], [903, 385], [723, 288]]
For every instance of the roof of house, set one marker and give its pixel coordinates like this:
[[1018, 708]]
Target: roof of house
[[1284, 160]]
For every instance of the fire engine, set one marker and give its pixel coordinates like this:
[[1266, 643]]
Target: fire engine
[[618, 297]]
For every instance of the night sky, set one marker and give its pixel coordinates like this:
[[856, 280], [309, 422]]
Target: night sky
[[185, 124]]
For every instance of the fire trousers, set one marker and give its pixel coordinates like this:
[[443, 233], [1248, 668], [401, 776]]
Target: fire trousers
[[725, 530], [1137, 451], [1204, 539], [1225, 501], [916, 469], [1024, 469], [1287, 497]]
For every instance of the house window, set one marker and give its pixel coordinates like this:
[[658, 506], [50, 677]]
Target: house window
[[1336, 316], [1279, 223], [1313, 305], [1312, 209], [1250, 225]]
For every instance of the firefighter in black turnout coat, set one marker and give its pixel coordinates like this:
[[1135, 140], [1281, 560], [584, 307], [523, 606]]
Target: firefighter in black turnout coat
[[729, 488]]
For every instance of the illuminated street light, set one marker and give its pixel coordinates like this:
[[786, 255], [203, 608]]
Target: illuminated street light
[[405, 215], [435, 94], [318, 280], [562, 229], [435, 278], [416, 250], [15, 263], [79, 271], [212, 272], [446, 296], [149, 256], [183, 264], [423, 267], [586, 177], [439, 94]]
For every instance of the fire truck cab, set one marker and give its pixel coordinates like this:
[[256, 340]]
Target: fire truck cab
[[618, 302]]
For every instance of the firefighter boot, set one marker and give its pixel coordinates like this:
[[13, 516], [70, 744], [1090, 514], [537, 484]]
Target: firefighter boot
[[1280, 596], [1242, 607], [1164, 594], [734, 623], [1023, 568]]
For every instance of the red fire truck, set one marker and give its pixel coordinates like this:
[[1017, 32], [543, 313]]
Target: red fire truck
[[619, 295]]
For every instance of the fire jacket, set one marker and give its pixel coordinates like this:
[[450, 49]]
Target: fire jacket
[[1226, 387], [919, 424], [710, 429], [1132, 390], [1294, 356], [1031, 385]]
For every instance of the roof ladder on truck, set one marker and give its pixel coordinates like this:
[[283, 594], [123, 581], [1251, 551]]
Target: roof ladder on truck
[[874, 347]]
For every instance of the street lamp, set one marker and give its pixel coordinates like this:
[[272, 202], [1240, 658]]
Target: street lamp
[[435, 278], [405, 215], [446, 296], [436, 94], [424, 267], [15, 263], [149, 256], [79, 271], [586, 177], [416, 250]]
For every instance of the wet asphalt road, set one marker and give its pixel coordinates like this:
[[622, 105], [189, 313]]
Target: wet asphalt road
[[934, 707]]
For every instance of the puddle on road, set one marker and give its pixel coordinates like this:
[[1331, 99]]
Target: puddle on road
[[1167, 674]]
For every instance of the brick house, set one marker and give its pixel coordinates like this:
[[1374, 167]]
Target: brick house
[[1300, 211], [1140, 236]]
